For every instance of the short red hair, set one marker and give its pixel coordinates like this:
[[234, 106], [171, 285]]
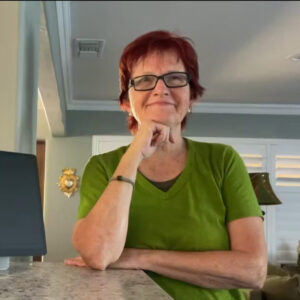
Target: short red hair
[[160, 41]]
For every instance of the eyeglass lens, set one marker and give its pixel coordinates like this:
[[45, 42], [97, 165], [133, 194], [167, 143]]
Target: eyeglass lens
[[174, 79]]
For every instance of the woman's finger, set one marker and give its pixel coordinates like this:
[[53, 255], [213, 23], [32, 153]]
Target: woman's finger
[[160, 137], [171, 138], [75, 261], [155, 138]]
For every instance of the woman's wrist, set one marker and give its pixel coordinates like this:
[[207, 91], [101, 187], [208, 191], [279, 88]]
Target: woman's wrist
[[128, 166], [144, 258], [134, 155]]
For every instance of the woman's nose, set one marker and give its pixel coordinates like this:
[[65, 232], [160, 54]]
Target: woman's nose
[[161, 87]]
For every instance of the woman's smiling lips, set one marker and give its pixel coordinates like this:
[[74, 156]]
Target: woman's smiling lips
[[161, 103]]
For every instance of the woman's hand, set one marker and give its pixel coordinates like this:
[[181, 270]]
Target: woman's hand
[[149, 137], [75, 261], [129, 259]]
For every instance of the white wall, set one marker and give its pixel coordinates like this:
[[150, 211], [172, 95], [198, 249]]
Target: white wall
[[43, 129], [60, 212], [9, 19], [19, 34]]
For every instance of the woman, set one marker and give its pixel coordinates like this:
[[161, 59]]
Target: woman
[[183, 211]]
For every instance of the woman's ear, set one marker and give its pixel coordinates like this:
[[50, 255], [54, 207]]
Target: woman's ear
[[125, 106]]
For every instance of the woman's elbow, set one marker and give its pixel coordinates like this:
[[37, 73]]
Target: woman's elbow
[[77, 241], [93, 259], [91, 254], [259, 275], [96, 263]]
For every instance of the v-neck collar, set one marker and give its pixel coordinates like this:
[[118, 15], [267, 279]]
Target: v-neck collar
[[142, 181]]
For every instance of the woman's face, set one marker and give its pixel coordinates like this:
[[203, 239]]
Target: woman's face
[[162, 104]]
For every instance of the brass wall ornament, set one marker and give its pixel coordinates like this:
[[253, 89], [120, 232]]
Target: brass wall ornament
[[68, 182]]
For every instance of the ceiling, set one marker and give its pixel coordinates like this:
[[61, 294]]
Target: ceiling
[[242, 46], [243, 49]]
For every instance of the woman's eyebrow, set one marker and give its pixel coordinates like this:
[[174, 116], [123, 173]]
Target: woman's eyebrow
[[151, 73]]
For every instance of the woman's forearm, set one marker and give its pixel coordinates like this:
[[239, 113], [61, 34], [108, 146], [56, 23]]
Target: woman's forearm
[[101, 236], [211, 269]]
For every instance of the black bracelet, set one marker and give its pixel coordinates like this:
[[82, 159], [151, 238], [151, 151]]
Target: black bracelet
[[122, 178]]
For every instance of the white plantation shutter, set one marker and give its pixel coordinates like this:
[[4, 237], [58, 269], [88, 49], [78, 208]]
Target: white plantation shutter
[[287, 227], [286, 178], [286, 167], [287, 170], [253, 162]]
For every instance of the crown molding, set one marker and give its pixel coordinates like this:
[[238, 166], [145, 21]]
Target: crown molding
[[247, 108], [95, 105], [63, 11], [204, 107]]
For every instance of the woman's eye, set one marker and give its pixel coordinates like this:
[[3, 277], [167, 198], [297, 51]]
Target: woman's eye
[[176, 78], [147, 79], [143, 80]]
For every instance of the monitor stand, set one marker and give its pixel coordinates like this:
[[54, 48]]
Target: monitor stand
[[4, 263]]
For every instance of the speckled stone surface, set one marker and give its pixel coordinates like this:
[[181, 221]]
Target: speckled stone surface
[[58, 281]]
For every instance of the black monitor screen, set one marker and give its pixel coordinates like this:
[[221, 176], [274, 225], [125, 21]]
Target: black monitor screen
[[21, 220]]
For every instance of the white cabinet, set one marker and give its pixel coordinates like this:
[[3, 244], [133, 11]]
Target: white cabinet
[[281, 158], [106, 143]]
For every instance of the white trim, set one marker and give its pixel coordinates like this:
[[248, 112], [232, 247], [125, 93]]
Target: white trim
[[245, 108], [257, 141], [64, 33], [102, 105], [95, 139], [251, 141], [204, 107]]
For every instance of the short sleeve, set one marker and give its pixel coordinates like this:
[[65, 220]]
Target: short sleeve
[[237, 191], [94, 182]]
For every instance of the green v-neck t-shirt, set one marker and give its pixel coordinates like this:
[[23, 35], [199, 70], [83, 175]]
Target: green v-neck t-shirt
[[213, 189]]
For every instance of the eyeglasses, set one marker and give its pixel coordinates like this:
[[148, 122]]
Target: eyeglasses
[[171, 80]]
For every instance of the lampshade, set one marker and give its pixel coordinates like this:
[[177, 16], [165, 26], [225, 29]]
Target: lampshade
[[263, 190]]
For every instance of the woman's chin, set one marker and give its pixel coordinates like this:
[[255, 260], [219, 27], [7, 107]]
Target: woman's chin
[[165, 120], [162, 116]]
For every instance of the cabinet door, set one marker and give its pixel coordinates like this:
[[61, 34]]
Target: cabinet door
[[102, 144]]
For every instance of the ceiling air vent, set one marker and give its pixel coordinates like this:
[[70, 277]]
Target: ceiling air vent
[[89, 47]]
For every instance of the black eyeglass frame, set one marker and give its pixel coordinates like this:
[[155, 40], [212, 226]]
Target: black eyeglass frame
[[131, 81]]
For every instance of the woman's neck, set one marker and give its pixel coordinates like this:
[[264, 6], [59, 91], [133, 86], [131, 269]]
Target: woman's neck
[[171, 149], [167, 162]]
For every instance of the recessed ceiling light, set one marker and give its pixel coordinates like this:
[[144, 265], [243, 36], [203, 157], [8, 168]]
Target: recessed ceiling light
[[295, 57]]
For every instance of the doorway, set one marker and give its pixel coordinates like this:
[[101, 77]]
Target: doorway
[[40, 156]]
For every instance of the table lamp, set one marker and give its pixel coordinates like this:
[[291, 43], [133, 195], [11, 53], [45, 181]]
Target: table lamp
[[263, 189]]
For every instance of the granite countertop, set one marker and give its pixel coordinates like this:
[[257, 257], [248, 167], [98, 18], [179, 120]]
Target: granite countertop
[[45, 280]]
